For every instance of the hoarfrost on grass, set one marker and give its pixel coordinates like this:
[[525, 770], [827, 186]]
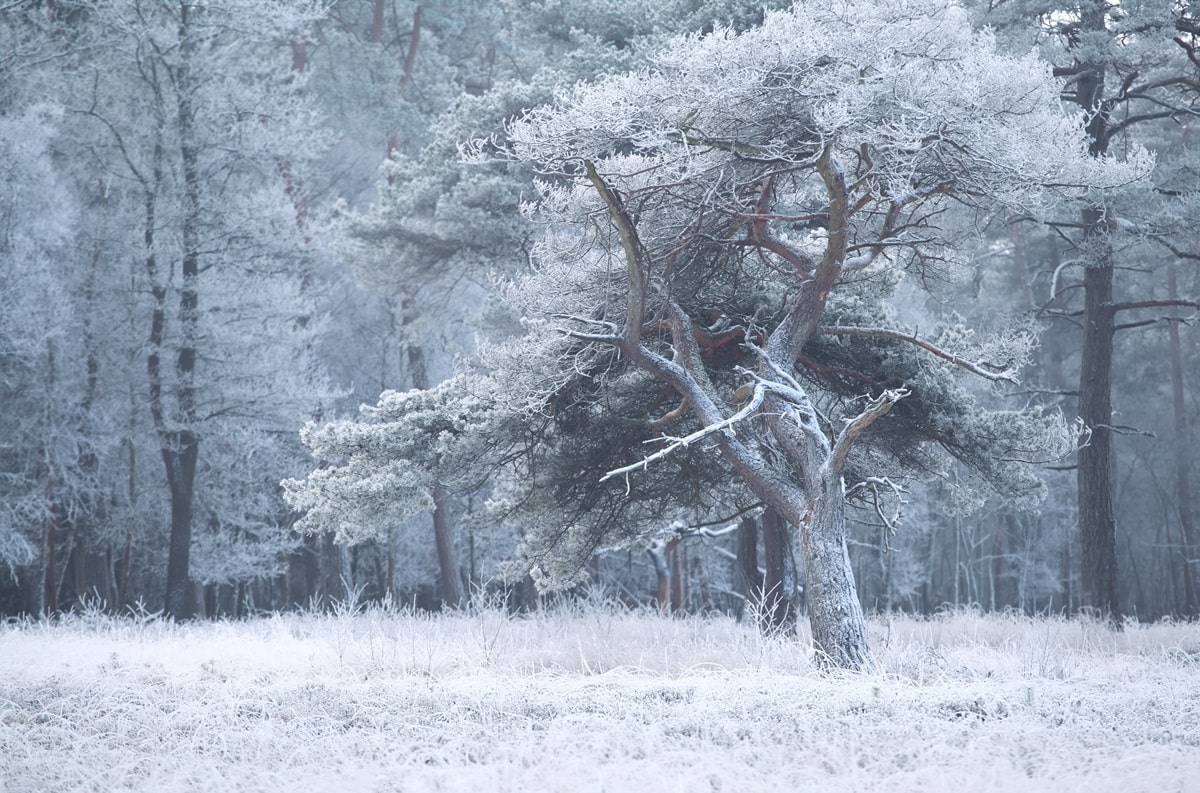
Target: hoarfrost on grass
[[592, 700]]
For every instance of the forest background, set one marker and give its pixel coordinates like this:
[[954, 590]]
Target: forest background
[[222, 221]]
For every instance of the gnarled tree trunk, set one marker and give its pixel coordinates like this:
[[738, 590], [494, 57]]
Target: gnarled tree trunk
[[834, 613]]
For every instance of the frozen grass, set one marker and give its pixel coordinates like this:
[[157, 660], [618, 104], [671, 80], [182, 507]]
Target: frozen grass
[[593, 700]]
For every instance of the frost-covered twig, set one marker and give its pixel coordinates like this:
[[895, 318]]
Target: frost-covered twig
[[676, 443], [986, 370], [872, 484]]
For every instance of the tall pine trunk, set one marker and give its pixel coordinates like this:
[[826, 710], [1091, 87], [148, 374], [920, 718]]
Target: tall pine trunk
[[777, 613], [181, 450], [453, 593], [1183, 449], [1097, 524]]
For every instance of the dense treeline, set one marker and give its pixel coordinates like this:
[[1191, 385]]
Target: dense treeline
[[221, 223]]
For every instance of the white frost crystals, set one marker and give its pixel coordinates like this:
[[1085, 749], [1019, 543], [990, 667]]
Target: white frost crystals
[[908, 78]]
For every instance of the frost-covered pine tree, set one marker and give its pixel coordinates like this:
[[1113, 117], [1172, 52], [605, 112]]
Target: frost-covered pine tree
[[721, 233], [766, 191]]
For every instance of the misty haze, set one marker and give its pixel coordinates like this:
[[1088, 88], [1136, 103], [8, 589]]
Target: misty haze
[[705, 395]]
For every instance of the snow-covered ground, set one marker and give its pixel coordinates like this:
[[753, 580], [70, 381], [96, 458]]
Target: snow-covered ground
[[593, 700]]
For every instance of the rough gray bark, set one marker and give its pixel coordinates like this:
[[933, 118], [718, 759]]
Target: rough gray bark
[[839, 629]]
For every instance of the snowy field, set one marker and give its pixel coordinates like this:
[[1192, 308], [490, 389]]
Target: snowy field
[[590, 700]]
